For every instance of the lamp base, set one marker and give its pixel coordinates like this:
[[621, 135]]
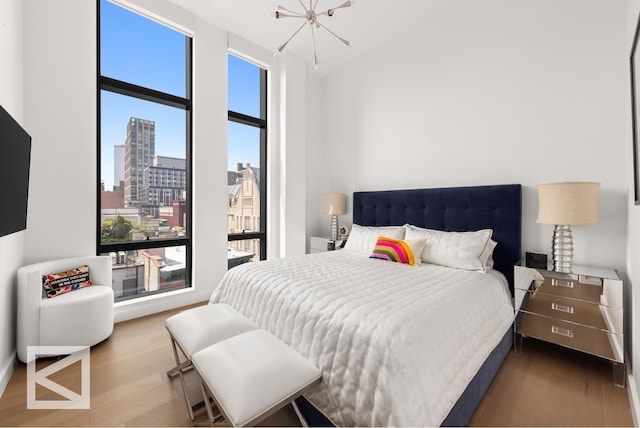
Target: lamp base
[[562, 248], [334, 227]]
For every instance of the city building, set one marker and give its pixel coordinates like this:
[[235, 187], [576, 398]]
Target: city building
[[119, 151], [175, 214], [139, 154], [112, 199], [243, 214], [165, 182]]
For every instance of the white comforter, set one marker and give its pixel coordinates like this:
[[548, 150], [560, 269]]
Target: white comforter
[[397, 345]]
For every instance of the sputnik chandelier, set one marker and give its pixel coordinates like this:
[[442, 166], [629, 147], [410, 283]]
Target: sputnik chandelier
[[311, 17]]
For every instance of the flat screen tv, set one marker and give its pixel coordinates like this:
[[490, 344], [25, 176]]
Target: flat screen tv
[[15, 156]]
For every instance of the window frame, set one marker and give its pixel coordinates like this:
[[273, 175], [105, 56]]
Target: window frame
[[260, 123], [147, 94]]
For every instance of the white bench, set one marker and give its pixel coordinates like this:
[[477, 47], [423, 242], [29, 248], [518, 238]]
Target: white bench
[[252, 375], [197, 328]]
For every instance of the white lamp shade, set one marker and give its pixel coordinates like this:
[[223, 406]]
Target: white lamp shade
[[569, 203], [335, 203]]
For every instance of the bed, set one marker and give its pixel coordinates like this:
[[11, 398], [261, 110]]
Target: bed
[[397, 345]]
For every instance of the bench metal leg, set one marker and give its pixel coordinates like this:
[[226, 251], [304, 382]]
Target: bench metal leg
[[179, 369], [214, 420], [179, 365], [301, 418]]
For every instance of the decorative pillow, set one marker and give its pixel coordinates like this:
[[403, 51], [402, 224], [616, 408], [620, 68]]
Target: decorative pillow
[[397, 250], [63, 282], [362, 239], [462, 250]]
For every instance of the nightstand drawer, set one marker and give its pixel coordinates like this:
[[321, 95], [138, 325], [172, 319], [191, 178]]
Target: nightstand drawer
[[572, 289], [586, 339], [575, 311]]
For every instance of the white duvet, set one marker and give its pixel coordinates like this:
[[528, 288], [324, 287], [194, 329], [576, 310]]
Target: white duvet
[[397, 345]]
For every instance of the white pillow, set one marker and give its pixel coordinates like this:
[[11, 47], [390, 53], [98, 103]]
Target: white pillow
[[362, 239], [462, 250], [417, 247], [487, 254]]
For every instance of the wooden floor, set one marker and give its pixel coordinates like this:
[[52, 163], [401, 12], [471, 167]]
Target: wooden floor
[[547, 385], [542, 386]]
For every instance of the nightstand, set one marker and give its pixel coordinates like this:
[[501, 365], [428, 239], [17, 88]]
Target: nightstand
[[582, 310], [320, 244]]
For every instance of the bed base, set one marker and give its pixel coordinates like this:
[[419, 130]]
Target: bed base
[[467, 404], [465, 407]]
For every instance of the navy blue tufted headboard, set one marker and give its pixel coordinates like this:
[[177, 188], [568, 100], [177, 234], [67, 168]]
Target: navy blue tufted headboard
[[452, 209]]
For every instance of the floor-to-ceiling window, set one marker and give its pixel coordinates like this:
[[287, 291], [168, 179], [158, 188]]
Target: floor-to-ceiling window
[[144, 151], [246, 176]]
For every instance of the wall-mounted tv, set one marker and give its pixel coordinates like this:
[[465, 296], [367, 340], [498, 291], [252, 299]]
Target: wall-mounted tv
[[15, 156]]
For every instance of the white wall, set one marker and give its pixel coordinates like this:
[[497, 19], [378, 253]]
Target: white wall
[[633, 247], [60, 114], [500, 91], [318, 168], [293, 154], [11, 98]]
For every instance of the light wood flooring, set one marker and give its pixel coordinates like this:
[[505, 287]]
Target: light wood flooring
[[542, 386], [547, 385]]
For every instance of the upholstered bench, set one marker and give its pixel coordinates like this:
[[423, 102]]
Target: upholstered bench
[[197, 328], [252, 375]]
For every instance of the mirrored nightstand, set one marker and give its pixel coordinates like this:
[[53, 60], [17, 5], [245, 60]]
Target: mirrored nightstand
[[582, 310]]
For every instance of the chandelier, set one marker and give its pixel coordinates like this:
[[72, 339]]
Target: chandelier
[[311, 17]]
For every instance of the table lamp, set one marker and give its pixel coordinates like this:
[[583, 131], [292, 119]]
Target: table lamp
[[334, 205], [564, 205]]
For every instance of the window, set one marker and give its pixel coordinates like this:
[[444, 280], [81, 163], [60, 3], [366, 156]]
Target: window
[[144, 120], [247, 162]]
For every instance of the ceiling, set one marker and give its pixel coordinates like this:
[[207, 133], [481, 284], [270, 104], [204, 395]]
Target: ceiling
[[365, 24]]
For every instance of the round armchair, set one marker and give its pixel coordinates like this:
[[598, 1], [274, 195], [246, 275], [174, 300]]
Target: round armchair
[[82, 317]]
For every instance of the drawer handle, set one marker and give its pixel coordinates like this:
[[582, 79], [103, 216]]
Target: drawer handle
[[555, 282], [561, 331], [562, 308]]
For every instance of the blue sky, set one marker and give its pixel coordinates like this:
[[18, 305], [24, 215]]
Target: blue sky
[[140, 51]]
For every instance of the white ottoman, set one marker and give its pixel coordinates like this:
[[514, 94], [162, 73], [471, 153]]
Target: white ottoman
[[197, 328], [252, 375]]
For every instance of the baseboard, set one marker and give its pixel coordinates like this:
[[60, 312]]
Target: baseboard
[[6, 372], [634, 402], [155, 303]]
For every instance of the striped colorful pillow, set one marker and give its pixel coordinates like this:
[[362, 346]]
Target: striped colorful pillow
[[397, 250]]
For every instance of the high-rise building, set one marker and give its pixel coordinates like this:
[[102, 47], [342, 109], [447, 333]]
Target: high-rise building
[[118, 165], [139, 153]]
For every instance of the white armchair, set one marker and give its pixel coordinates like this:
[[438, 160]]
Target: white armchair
[[81, 317]]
